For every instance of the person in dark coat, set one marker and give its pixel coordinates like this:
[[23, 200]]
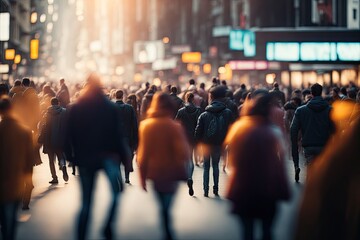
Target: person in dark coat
[[94, 133], [63, 94], [230, 104], [129, 127], [52, 136], [16, 161], [211, 130], [279, 94], [178, 101], [330, 205], [146, 101], [239, 93], [313, 120], [256, 159], [188, 117]]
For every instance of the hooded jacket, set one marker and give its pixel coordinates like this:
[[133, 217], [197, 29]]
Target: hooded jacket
[[313, 120], [206, 131], [188, 117]]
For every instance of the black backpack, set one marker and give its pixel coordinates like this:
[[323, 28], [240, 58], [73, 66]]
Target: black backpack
[[216, 130]]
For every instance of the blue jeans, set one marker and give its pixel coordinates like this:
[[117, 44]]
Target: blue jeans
[[87, 177], [8, 219], [215, 154], [165, 200], [190, 164]]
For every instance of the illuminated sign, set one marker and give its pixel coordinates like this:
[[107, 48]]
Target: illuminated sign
[[348, 51], [9, 54], [4, 68], [243, 40], [282, 51], [248, 65], [34, 48], [318, 51], [148, 52], [313, 51], [191, 57], [5, 26]]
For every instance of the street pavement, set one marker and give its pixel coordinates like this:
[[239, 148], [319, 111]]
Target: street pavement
[[54, 208]]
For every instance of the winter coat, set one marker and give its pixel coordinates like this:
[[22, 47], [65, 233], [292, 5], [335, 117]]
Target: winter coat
[[230, 104], [313, 120], [163, 152], [16, 159], [94, 131], [129, 124], [289, 115], [31, 108], [209, 133], [238, 95], [53, 129], [178, 102], [188, 116], [256, 155]]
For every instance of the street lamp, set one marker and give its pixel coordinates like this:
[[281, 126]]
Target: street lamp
[[166, 40], [33, 17]]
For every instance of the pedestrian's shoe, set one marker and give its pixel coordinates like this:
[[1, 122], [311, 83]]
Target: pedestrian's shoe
[[297, 174], [127, 181], [216, 191], [65, 174], [206, 194], [54, 181], [190, 185]]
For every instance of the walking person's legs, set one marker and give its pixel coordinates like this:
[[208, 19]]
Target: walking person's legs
[[62, 162], [215, 159], [190, 168], [51, 156], [112, 170], [165, 200], [87, 185], [206, 174]]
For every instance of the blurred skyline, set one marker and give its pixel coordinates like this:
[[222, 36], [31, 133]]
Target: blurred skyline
[[254, 42]]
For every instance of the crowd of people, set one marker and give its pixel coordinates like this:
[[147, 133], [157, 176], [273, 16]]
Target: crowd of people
[[170, 129]]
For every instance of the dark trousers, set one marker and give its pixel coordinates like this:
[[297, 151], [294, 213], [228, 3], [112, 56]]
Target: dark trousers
[[87, 178], [61, 158], [214, 157], [28, 189], [248, 227], [8, 219], [165, 200]]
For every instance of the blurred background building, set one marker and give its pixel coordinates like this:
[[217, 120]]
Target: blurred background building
[[295, 42]]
